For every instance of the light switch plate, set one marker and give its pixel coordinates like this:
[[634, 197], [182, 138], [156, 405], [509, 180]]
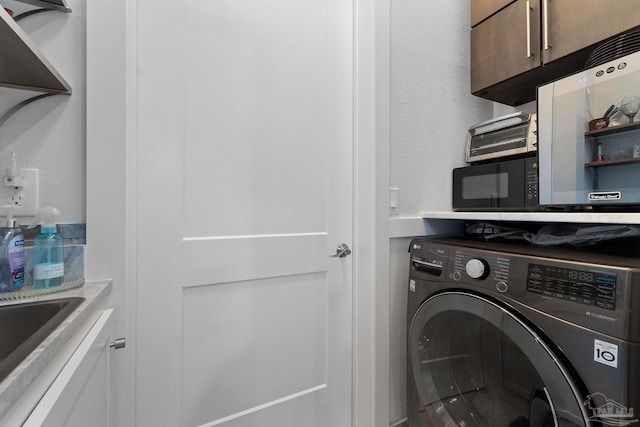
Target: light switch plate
[[394, 200], [24, 201]]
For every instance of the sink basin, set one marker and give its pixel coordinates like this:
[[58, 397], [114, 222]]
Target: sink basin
[[24, 326]]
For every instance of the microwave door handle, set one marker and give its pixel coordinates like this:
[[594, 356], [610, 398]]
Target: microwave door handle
[[528, 17]]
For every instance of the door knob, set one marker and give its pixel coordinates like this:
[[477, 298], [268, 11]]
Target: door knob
[[341, 251], [119, 343]]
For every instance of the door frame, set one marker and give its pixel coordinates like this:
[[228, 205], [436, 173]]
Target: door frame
[[111, 175]]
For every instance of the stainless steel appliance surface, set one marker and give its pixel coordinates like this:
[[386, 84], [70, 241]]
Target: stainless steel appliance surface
[[507, 136], [589, 137], [507, 335]]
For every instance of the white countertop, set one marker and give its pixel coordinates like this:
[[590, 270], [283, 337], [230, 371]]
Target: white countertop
[[551, 217], [28, 371]]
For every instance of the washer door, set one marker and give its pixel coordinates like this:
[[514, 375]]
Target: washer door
[[473, 363]]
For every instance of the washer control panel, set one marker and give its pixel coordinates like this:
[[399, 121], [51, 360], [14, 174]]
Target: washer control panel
[[514, 274], [489, 269], [585, 288], [589, 287]]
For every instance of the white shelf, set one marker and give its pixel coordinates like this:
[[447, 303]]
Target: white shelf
[[550, 217]]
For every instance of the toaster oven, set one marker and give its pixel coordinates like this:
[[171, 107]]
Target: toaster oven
[[507, 136]]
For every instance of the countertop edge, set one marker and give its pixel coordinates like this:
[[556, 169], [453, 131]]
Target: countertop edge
[[579, 217], [26, 373]]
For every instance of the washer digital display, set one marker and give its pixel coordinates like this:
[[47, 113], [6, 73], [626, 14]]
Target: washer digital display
[[585, 287]]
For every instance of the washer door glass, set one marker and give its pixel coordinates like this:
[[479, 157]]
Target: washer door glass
[[474, 363]]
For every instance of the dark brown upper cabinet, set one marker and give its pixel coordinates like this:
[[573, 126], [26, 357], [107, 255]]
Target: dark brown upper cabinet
[[518, 45]]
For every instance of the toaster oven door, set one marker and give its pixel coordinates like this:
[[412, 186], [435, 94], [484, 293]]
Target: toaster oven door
[[503, 142]]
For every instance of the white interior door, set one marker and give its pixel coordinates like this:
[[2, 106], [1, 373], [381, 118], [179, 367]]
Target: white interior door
[[245, 113]]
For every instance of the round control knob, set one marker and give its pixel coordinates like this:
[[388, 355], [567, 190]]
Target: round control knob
[[456, 275], [502, 287], [477, 268]]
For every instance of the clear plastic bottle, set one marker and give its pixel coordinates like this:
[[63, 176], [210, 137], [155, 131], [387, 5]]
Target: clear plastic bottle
[[48, 251], [12, 256]]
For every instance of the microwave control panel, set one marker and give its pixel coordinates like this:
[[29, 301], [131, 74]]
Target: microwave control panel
[[531, 182]]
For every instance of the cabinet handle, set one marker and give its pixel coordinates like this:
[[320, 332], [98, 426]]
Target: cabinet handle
[[528, 12], [545, 24]]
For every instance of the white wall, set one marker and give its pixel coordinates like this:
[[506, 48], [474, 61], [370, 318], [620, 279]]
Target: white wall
[[431, 111], [501, 109], [430, 101], [49, 134]]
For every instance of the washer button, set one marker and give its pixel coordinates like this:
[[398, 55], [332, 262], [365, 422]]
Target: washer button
[[502, 287], [456, 275]]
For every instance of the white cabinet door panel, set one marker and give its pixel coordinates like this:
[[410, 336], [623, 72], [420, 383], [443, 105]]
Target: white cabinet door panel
[[80, 395]]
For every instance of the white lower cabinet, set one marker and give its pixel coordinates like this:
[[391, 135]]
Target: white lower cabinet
[[81, 393]]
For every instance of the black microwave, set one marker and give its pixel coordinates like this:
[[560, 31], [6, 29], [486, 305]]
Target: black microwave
[[508, 185]]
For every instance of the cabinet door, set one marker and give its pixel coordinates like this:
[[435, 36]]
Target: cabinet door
[[505, 45], [575, 24], [482, 9], [80, 395]]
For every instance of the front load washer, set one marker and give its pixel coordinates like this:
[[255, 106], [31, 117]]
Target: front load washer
[[508, 335]]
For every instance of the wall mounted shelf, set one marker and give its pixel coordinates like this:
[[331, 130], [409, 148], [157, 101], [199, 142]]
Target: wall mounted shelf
[[614, 146], [60, 5], [597, 164], [23, 66], [614, 129]]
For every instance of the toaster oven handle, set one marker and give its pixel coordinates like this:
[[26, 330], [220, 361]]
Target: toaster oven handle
[[493, 124], [501, 143], [528, 17]]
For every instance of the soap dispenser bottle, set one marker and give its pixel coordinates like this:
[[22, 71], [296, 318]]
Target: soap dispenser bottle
[[48, 251], [11, 256]]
